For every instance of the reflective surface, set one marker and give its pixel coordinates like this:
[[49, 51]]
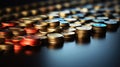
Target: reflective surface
[[93, 52]]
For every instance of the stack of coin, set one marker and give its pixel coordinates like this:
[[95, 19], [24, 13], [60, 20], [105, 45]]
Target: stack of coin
[[69, 30], [64, 24], [55, 30], [17, 31], [69, 36], [55, 39], [99, 28], [40, 27], [112, 25], [83, 31], [42, 40], [53, 23]]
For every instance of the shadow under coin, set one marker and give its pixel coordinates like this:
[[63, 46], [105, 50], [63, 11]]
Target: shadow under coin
[[99, 35], [84, 41], [112, 28], [55, 46]]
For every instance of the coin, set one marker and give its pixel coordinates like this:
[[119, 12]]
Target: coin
[[83, 31], [5, 47], [69, 30], [55, 38], [55, 30], [29, 41], [64, 24], [6, 33], [112, 25], [99, 28], [53, 23], [30, 30], [40, 27], [71, 20], [69, 36], [74, 25]]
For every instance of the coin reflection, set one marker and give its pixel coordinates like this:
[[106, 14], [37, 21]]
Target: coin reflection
[[26, 50], [112, 28], [57, 46], [98, 36], [83, 40]]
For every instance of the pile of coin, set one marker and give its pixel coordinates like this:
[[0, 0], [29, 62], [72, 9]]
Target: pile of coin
[[56, 27]]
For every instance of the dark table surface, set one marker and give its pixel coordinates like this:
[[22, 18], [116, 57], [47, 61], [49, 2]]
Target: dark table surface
[[97, 52]]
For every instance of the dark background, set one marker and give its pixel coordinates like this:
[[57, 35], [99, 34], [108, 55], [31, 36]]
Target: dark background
[[7, 3]]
